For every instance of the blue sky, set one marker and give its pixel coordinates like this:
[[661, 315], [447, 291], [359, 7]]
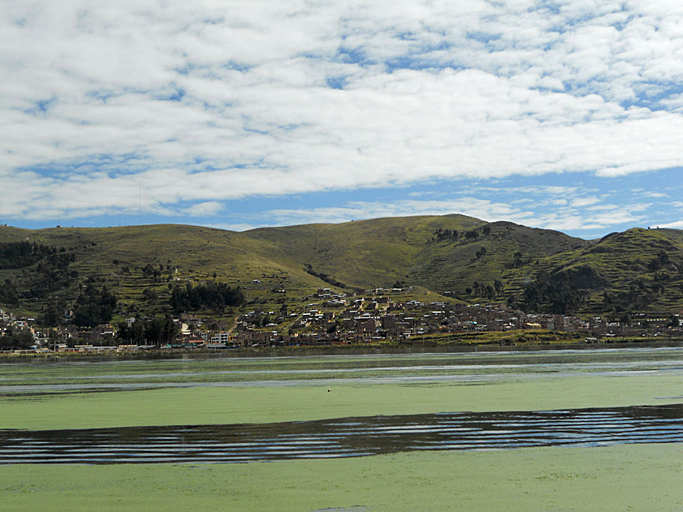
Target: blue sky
[[237, 114]]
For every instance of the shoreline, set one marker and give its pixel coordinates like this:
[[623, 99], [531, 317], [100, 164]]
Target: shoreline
[[313, 351]]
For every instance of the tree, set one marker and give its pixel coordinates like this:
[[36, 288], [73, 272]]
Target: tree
[[53, 339], [150, 295], [21, 340], [8, 293], [518, 260], [216, 296], [94, 307], [153, 331], [557, 295], [52, 316], [661, 260], [23, 254]]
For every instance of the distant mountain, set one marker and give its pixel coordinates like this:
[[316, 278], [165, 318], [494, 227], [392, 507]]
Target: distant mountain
[[460, 257]]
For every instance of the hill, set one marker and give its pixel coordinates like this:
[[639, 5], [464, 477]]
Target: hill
[[439, 253], [459, 257]]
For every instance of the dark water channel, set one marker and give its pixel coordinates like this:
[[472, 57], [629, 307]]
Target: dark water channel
[[348, 437]]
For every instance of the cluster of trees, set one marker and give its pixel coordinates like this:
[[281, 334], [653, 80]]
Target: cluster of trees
[[518, 260], [657, 263], [23, 254], [659, 282], [53, 314], [486, 290], [216, 296], [51, 270], [16, 340], [150, 272], [639, 294], [324, 277], [152, 331], [446, 234], [559, 295], [53, 274], [8, 293], [453, 234], [94, 306]]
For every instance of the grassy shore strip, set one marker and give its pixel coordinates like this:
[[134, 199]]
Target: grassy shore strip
[[209, 405], [616, 478]]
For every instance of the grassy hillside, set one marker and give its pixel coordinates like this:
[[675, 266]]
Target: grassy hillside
[[431, 251], [462, 257], [117, 258], [637, 270]]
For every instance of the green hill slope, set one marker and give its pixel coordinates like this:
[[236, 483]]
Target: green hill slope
[[438, 252], [129, 260], [637, 270], [459, 256]]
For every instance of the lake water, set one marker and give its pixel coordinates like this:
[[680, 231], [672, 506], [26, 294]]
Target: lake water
[[346, 437], [44, 377], [40, 382]]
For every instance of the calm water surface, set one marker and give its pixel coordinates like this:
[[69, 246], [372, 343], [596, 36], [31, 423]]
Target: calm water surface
[[77, 376], [346, 437]]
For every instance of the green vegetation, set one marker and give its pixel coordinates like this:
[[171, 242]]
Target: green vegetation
[[153, 331], [8, 293], [295, 389], [94, 306], [253, 404], [161, 269], [16, 341], [23, 254], [216, 296], [617, 478]]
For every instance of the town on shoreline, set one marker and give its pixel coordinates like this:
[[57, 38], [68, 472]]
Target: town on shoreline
[[375, 317]]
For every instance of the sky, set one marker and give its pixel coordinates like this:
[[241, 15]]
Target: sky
[[238, 114]]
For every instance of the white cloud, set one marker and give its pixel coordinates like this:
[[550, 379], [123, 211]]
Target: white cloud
[[205, 209], [584, 201], [219, 101], [672, 225]]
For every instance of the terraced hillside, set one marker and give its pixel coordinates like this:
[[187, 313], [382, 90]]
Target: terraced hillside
[[458, 256], [439, 253], [637, 270], [131, 260]]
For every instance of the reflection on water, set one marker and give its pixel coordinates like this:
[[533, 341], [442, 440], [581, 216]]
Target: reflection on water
[[348, 437]]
